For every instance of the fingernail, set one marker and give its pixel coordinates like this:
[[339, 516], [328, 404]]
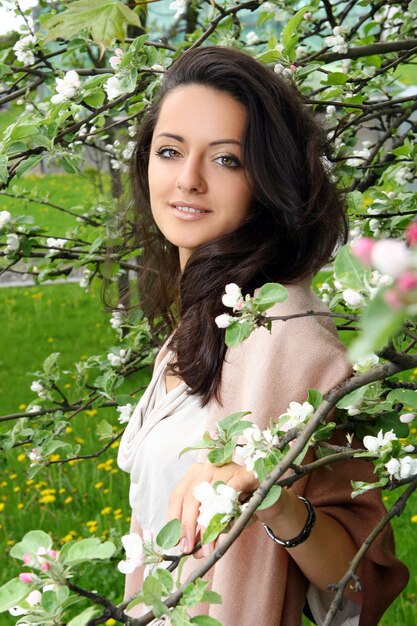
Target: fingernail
[[184, 545], [206, 549]]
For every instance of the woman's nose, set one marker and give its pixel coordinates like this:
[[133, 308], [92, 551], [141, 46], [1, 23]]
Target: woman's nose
[[190, 177]]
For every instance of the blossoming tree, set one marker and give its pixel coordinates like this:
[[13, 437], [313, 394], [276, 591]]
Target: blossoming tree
[[85, 71]]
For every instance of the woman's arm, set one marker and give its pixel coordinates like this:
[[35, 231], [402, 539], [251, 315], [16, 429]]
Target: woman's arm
[[323, 558], [134, 580]]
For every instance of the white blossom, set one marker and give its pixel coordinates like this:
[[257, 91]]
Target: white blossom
[[33, 598], [358, 157], [125, 413], [51, 242], [84, 282], [298, 414], [67, 87], [5, 218], [116, 59], [135, 555], [381, 442], [330, 112], [117, 359], [12, 243], [407, 418], [128, 151], [352, 298], [233, 297], [258, 445], [337, 42], [221, 499], [38, 388], [22, 49], [179, 6], [252, 38], [224, 320], [112, 87], [391, 256], [402, 468], [366, 363]]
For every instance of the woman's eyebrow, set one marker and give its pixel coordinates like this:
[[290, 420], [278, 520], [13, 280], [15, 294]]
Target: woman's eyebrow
[[212, 143]]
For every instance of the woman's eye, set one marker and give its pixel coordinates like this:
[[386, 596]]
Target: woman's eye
[[228, 161], [166, 153]]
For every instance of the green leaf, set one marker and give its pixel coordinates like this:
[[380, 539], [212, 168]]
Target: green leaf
[[50, 363], [212, 597], [194, 592], [232, 419], [223, 455], [315, 398], [213, 530], [104, 430], [379, 325], [169, 535], [152, 590], [105, 20], [336, 78], [179, 617], [12, 593], [268, 295], [90, 549], [28, 164], [165, 579], [31, 542], [290, 34], [360, 487], [4, 173], [412, 7], [205, 620], [405, 396], [236, 333], [271, 497], [83, 618], [348, 270]]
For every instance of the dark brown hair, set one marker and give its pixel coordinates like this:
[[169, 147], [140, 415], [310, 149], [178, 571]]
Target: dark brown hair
[[295, 222]]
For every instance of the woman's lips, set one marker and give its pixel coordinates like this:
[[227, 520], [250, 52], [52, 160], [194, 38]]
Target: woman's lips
[[188, 211]]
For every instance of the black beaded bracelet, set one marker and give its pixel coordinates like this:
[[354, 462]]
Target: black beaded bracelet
[[304, 534]]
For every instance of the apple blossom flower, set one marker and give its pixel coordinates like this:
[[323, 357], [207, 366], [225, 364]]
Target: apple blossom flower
[[352, 297], [411, 233], [298, 413], [390, 256], [402, 468], [125, 412], [393, 299], [224, 320], [407, 418], [84, 282], [26, 577], [233, 296], [407, 281], [112, 87], [358, 157], [337, 41], [220, 499], [362, 248], [38, 388], [12, 242], [22, 49], [252, 38], [366, 363], [33, 598], [135, 556], [117, 359], [381, 442], [257, 446], [51, 242], [67, 87], [116, 59], [5, 218], [36, 459]]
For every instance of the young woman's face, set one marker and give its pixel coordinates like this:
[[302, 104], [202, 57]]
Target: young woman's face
[[198, 187]]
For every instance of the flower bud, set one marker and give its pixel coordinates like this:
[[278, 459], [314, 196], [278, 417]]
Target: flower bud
[[407, 418], [411, 233], [407, 281], [26, 577], [390, 256], [392, 299], [362, 248]]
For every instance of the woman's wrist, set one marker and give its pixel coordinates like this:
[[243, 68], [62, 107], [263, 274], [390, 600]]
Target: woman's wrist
[[286, 518]]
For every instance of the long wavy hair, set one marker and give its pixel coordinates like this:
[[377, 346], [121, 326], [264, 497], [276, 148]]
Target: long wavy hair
[[295, 221]]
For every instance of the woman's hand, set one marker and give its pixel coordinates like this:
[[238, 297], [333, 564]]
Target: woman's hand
[[184, 506]]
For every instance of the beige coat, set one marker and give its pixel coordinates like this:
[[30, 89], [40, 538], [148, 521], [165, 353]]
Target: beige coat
[[259, 582]]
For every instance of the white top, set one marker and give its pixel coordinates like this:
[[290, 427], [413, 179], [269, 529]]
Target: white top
[[154, 466], [156, 469]]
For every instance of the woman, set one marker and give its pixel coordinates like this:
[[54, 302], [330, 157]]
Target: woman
[[228, 167]]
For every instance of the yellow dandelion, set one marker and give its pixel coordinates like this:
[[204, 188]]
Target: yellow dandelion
[[106, 490], [47, 499], [115, 444], [99, 485], [90, 412], [66, 538], [22, 407], [16, 489], [68, 500], [106, 510], [30, 482], [10, 542], [414, 519], [62, 490], [114, 471], [97, 325], [1, 506], [83, 357], [54, 457], [110, 622], [3, 483], [20, 505], [51, 340], [91, 523], [21, 457], [117, 511], [413, 431], [13, 476], [40, 484], [128, 519], [72, 462], [68, 430], [67, 385], [79, 440], [47, 492]]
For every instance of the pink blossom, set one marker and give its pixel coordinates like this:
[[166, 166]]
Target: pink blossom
[[362, 248], [27, 558], [26, 577], [390, 256], [407, 281], [393, 300], [411, 233], [293, 68], [45, 566]]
